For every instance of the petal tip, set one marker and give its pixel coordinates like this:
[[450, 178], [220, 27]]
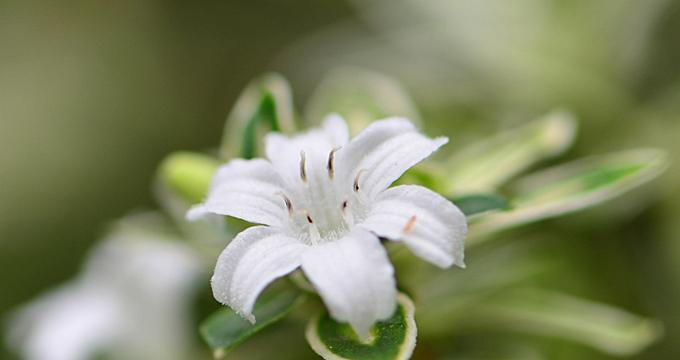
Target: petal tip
[[197, 212], [441, 141], [333, 117]]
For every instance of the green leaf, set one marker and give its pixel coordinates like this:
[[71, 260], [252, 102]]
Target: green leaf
[[484, 166], [447, 296], [265, 114], [265, 105], [546, 313], [225, 329], [574, 186], [480, 203], [392, 339], [360, 96], [188, 174]]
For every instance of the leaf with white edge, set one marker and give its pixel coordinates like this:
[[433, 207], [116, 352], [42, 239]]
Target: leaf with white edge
[[484, 166], [392, 339], [188, 174], [573, 186], [225, 329], [265, 105], [446, 296], [475, 204], [360, 96], [547, 313]]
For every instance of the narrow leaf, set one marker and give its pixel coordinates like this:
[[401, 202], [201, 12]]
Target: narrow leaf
[[447, 296], [360, 96], [546, 313], [392, 339], [574, 186], [480, 203], [265, 105], [484, 166], [265, 114], [225, 329]]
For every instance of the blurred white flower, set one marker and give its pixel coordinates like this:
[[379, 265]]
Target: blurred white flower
[[325, 204], [130, 302]]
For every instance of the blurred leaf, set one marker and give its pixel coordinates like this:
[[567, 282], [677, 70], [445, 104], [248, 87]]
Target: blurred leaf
[[486, 165], [430, 174], [546, 313], [574, 186], [225, 329], [445, 297], [264, 115], [480, 203], [265, 105], [188, 174], [360, 96], [392, 339]]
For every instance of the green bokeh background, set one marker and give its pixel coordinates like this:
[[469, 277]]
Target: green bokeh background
[[93, 94]]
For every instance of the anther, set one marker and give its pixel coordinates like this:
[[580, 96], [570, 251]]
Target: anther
[[303, 167], [409, 225], [344, 206], [289, 204], [329, 166], [307, 215], [356, 180]]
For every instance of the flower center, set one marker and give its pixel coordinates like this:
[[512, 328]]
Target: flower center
[[326, 207]]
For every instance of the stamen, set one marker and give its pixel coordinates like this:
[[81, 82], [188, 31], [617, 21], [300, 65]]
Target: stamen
[[289, 204], [409, 225], [303, 167], [314, 235], [356, 180], [344, 206], [329, 166]]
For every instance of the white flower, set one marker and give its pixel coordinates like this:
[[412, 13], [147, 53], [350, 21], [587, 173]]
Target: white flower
[[130, 302], [324, 203]]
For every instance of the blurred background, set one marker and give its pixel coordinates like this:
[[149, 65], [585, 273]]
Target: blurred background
[[93, 94]]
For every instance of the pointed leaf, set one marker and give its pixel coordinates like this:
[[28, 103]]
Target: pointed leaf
[[392, 339], [480, 203], [225, 329], [265, 105], [484, 166], [447, 296], [546, 313], [574, 186], [360, 96]]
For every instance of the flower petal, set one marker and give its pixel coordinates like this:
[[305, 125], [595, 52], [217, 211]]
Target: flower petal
[[72, 322], [255, 258], [247, 189], [383, 152], [431, 226], [284, 152], [354, 278]]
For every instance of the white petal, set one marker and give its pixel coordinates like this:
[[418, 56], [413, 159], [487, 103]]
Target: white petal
[[284, 152], [71, 323], [354, 278], [255, 258], [247, 189], [335, 128], [431, 226], [382, 153]]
